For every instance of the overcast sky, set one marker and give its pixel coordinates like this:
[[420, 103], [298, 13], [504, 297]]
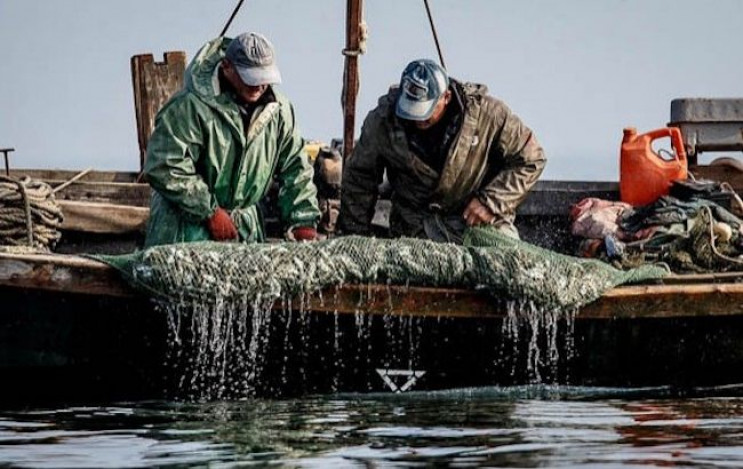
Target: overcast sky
[[576, 71]]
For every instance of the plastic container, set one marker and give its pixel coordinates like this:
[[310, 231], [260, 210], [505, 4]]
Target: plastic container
[[644, 175]]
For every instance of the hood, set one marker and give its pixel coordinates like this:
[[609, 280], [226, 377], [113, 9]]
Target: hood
[[200, 76]]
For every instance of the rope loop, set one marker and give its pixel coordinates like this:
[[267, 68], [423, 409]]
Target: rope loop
[[363, 36], [29, 214]]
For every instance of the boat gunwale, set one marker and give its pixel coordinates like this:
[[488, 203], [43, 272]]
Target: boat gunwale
[[676, 296]]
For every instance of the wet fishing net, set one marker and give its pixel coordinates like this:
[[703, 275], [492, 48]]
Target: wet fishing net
[[238, 325], [264, 273]]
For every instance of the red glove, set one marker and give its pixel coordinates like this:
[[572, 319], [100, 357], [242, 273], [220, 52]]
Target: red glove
[[304, 233], [221, 226]]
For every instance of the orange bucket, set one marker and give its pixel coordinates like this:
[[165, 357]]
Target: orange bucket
[[644, 175]]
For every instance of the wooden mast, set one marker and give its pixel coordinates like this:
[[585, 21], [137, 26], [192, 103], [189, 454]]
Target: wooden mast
[[351, 72]]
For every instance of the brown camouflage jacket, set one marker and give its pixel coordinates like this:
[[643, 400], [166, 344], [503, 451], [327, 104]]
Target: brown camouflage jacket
[[494, 157]]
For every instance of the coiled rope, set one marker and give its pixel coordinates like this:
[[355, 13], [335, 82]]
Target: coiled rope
[[29, 213], [710, 219]]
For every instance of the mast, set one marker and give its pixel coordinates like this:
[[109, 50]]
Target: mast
[[354, 47]]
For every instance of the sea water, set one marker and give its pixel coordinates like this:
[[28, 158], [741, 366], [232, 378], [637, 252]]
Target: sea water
[[532, 426]]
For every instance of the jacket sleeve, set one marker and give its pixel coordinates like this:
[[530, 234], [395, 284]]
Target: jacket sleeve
[[297, 193], [520, 159], [173, 151], [362, 174]]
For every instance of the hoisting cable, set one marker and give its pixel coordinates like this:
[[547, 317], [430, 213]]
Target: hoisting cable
[[457, 97], [435, 36], [232, 17]]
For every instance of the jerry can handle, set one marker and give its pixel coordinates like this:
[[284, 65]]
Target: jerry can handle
[[676, 141]]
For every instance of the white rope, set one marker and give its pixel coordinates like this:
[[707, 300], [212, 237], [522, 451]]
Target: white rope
[[29, 213]]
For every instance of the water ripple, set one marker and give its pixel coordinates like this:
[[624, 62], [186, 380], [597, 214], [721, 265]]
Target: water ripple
[[453, 429]]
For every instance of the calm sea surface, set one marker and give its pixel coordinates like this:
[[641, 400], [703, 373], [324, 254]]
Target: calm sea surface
[[503, 427]]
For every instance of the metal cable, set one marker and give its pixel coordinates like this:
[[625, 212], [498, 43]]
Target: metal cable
[[435, 35], [232, 17]]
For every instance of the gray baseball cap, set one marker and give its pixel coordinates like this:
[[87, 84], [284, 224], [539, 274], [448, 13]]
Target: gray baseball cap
[[254, 59], [422, 84]]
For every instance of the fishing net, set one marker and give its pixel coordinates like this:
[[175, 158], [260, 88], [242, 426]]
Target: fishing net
[[263, 273], [228, 340]]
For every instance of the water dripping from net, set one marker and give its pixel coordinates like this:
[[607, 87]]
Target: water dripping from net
[[541, 340]]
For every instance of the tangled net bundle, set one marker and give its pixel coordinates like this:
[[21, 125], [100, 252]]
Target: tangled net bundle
[[505, 267]]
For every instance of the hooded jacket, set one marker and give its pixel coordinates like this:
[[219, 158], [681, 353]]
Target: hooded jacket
[[200, 157], [493, 157]]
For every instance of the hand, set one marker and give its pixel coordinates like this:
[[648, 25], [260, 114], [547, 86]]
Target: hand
[[221, 226], [304, 233], [477, 213]]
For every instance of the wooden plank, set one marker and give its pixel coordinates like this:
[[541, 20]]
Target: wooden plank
[[548, 198], [103, 218], [61, 273], [74, 274], [630, 302], [62, 175], [117, 193], [399, 300], [154, 83], [668, 301]]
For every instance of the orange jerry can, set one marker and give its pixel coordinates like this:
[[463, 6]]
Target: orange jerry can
[[644, 175]]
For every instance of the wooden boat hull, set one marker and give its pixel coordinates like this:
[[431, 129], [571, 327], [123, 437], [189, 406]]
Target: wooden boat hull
[[72, 329]]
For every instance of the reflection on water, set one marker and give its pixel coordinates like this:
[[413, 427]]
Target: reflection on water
[[516, 427]]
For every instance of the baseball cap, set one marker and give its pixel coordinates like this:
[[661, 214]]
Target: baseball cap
[[422, 83], [254, 59]]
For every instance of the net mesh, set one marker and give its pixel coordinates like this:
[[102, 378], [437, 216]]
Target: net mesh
[[263, 273]]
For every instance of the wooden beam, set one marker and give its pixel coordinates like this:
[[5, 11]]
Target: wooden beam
[[61, 273], [74, 274], [62, 175], [354, 18], [154, 83], [546, 198], [103, 218], [668, 301], [631, 302], [117, 193]]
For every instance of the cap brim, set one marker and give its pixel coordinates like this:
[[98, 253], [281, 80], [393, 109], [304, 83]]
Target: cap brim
[[257, 76], [414, 110]]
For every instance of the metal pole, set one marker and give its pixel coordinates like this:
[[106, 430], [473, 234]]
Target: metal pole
[[5, 152], [351, 74], [435, 36]]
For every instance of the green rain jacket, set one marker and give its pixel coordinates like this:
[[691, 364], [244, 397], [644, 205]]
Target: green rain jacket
[[493, 157], [201, 157]]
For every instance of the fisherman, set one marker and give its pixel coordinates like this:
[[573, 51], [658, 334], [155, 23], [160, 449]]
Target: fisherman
[[219, 143], [454, 157]]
